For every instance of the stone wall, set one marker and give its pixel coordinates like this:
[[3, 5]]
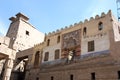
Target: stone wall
[[103, 65], [103, 61], [100, 37], [22, 33]]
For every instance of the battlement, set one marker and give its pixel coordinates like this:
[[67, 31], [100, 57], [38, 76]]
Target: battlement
[[80, 23], [40, 45]]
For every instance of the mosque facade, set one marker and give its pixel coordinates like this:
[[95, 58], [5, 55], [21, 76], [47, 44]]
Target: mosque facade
[[88, 50]]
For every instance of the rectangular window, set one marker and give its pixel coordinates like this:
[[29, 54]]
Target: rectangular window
[[71, 77], [90, 46], [27, 33], [92, 76], [119, 75], [57, 53], [58, 39], [46, 56]]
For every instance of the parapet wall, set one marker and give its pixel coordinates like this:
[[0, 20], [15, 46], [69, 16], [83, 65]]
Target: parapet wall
[[80, 23]]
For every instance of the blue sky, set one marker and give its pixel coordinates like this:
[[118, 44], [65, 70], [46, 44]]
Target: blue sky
[[49, 15]]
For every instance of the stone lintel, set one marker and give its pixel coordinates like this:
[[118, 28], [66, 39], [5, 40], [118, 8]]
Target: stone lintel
[[12, 19], [20, 15]]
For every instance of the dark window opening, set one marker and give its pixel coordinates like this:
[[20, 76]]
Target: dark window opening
[[84, 31], [100, 26], [37, 78], [71, 77], [119, 29], [90, 46], [58, 39], [27, 33], [36, 61], [48, 42], [92, 76], [46, 56], [118, 74], [57, 52], [19, 50], [52, 78], [0, 43]]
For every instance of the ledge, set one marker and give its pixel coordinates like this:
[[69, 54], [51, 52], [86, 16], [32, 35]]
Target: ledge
[[60, 62]]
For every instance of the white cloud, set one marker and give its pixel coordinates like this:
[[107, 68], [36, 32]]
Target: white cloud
[[3, 28]]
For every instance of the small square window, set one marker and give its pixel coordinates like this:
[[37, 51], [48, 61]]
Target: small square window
[[46, 56], [27, 33]]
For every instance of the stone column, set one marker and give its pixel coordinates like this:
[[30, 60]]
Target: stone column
[[8, 69]]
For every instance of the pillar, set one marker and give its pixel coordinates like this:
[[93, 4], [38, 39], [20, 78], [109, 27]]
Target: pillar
[[8, 69]]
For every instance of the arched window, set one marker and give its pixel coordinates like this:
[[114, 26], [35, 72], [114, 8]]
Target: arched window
[[100, 26], [84, 31], [36, 61], [48, 42], [46, 57], [57, 53], [58, 39]]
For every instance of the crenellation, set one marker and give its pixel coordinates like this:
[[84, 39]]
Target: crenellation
[[91, 18], [103, 14], [86, 20], [109, 12], [97, 17], [87, 46], [80, 22], [49, 34], [61, 29], [40, 44], [75, 24], [53, 32], [57, 30], [66, 27]]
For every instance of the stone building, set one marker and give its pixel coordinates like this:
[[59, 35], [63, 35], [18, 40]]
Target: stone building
[[88, 50], [7, 56], [21, 35]]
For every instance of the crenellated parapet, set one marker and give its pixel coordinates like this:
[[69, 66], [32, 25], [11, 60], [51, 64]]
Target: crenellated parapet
[[40, 45], [79, 23]]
